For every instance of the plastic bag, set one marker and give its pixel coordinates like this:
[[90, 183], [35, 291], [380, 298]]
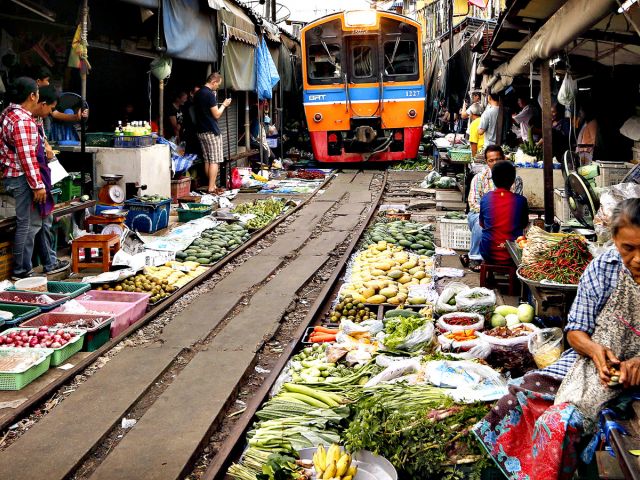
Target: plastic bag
[[568, 90], [418, 338], [236, 178], [450, 292], [609, 199], [509, 342], [395, 370], [483, 304], [631, 128], [447, 344], [481, 351], [431, 179], [446, 327], [358, 357], [546, 346], [72, 306]]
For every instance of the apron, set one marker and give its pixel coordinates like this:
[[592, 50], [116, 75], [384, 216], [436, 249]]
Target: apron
[[582, 387], [45, 174]]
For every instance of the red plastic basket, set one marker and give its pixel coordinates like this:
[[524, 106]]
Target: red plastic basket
[[122, 313]]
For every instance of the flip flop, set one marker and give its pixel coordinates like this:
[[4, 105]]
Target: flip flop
[[475, 267], [464, 260]]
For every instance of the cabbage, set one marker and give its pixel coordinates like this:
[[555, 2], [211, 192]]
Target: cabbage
[[525, 313], [512, 319], [498, 320]]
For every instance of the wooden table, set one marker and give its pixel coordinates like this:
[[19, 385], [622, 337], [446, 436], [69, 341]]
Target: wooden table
[[106, 243], [60, 210]]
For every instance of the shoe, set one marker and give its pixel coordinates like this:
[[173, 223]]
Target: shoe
[[20, 276], [475, 265], [60, 266], [464, 260]]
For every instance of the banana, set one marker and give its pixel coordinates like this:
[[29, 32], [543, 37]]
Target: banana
[[348, 477], [343, 464], [322, 457], [333, 454], [352, 471], [316, 463], [330, 472]]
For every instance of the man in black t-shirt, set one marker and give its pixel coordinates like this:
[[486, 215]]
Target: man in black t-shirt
[[207, 113], [174, 119]]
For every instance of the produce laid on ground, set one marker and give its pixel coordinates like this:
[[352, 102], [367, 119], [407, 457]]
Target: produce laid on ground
[[143, 283], [563, 262], [420, 164], [265, 212], [410, 235], [306, 175], [348, 309], [215, 243], [151, 198]]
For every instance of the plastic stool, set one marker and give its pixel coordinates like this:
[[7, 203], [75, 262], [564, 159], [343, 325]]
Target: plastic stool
[[109, 244], [488, 279]]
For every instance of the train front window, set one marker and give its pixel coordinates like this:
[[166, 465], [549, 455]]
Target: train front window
[[400, 58], [363, 61], [324, 62]]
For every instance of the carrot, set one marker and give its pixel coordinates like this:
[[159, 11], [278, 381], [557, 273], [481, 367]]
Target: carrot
[[321, 338], [322, 329]]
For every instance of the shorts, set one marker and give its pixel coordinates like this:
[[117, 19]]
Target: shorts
[[211, 147]]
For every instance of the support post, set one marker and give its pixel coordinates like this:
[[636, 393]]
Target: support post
[[161, 108], [247, 122], [547, 145], [83, 75]]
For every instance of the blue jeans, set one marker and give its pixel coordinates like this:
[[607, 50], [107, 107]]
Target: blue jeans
[[28, 223], [44, 242], [476, 236]]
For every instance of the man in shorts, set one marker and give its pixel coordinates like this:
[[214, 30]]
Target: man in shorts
[[207, 112]]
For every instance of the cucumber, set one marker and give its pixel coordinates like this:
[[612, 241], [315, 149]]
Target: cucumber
[[400, 313], [416, 246], [404, 243], [203, 260], [191, 259]]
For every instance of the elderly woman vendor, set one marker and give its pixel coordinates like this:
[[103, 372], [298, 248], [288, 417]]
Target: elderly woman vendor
[[536, 431]]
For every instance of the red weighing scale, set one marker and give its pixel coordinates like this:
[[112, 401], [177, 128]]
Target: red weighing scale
[[110, 212]]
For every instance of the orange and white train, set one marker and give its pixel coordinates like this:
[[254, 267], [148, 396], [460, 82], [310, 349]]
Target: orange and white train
[[364, 91]]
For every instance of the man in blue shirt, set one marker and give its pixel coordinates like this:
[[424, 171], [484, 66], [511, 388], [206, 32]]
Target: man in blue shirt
[[207, 113]]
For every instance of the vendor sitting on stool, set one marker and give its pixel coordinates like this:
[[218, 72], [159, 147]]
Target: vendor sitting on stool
[[482, 184], [503, 215]]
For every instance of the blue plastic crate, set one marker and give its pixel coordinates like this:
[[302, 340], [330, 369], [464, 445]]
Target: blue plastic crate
[[133, 141], [147, 217]]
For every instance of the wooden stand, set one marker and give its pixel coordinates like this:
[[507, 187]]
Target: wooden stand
[[488, 279], [109, 244]]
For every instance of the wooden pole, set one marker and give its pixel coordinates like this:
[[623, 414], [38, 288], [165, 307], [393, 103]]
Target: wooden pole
[[83, 75], [548, 145], [247, 122], [161, 108]]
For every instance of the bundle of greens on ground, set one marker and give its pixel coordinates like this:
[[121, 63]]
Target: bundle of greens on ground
[[418, 429], [265, 212]]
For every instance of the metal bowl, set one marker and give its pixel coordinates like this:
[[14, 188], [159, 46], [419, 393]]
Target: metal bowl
[[370, 466]]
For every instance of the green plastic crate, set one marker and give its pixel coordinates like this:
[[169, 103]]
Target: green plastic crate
[[17, 381], [460, 155], [185, 215], [60, 355], [94, 340], [71, 186], [71, 289], [20, 313]]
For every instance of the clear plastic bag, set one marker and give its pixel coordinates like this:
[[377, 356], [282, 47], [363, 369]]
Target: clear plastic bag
[[483, 304], [395, 370], [568, 90], [446, 344], [546, 346], [445, 327], [417, 339], [509, 342], [450, 292], [480, 351]]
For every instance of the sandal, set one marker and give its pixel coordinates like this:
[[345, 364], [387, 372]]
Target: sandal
[[475, 266], [464, 260]]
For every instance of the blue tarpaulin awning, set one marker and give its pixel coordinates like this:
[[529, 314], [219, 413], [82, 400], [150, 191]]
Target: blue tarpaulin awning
[[190, 32]]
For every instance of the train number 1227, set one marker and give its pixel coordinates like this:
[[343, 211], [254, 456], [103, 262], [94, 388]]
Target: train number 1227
[[413, 93]]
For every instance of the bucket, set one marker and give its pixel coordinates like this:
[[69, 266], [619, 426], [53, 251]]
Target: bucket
[[32, 284], [546, 346]]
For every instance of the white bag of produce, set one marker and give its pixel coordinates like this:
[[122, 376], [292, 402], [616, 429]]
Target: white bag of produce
[[496, 341], [417, 339], [479, 300], [368, 326], [469, 381], [447, 344], [480, 351], [72, 306], [447, 299], [358, 357], [397, 369], [476, 322]]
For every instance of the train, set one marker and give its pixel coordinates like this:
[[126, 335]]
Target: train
[[364, 91]]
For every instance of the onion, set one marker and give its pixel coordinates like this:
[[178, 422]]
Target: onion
[[43, 329], [60, 332], [56, 345]]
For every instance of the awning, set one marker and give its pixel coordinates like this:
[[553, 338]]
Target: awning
[[239, 26], [190, 33], [570, 21], [238, 64]]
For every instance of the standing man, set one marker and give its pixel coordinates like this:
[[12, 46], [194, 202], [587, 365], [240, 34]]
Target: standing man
[[465, 112], [523, 119], [489, 120], [475, 139], [207, 114], [174, 118], [20, 170]]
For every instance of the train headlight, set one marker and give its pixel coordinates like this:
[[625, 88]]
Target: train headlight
[[412, 113], [317, 117]]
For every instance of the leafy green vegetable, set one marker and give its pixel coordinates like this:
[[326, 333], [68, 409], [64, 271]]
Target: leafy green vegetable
[[279, 467], [399, 328]]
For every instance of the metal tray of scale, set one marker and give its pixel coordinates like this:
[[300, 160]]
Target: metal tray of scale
[[370, 466], [546, 284]]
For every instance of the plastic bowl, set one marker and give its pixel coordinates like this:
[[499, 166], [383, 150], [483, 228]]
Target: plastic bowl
[[32, 284]]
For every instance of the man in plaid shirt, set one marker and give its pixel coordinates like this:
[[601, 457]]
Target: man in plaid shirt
[[18, 144]]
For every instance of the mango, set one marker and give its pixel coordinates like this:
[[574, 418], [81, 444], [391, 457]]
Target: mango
[[388, 292], [377, 299], [395, 274]]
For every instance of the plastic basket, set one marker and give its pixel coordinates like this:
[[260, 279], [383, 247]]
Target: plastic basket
[[60, 355], [180, 187], [612, 173], [70, 186], [455, 234], [122, 313], [20, 313], [99, 139], [17, 381], [561, 205], [139, 302], [148, 217], [185, 215], [459, 155], [29, 299], [70, 289], [93, 339], [123, 141]]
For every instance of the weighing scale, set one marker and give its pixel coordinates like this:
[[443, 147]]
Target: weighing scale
[[110, 212]]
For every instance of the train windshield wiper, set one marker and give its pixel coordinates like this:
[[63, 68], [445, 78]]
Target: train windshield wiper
[[326, 49], [393, 55]]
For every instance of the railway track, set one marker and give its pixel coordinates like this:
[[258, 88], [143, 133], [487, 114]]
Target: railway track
[[180, 387]]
